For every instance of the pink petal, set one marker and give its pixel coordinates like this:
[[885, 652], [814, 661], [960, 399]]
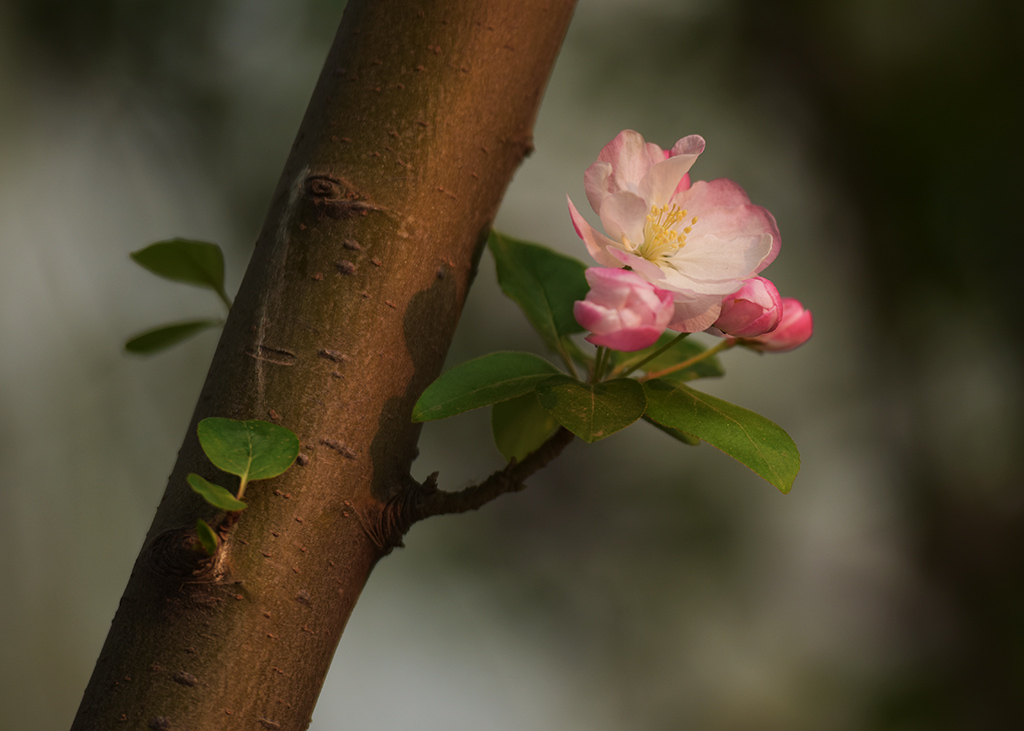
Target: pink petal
[[755, 309], [630, 158], [597, 243], [655, 153], [599, 183], [795, 329], [710, 194], [689, 145], [684, 184], [590, 316], [627, 340]]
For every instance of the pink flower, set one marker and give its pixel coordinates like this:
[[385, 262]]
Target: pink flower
[[754, 309], [794, 330], [623, 311], [699, 241]]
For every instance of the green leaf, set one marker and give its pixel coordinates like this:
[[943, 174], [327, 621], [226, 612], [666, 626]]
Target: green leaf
[[253, 450], [181, 260], [216, 495], [481, 382], [521, 425], [543, 283], [674, 433], [591, 411], [207, 538], [748, 437], [165, 336], [681, 351]]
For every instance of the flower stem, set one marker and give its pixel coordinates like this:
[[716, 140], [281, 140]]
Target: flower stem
[[600, 362], [655, 354], [567, 359], [724, 345]]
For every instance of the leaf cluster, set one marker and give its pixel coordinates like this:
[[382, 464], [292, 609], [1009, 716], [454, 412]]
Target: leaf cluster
[[252, 450], [531, 397]]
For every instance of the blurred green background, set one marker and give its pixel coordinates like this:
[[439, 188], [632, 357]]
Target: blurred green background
[[637, 584]]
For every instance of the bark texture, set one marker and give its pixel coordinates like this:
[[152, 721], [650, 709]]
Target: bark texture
[[420, 117]]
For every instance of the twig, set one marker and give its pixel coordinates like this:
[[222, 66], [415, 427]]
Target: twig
[[425, 500]]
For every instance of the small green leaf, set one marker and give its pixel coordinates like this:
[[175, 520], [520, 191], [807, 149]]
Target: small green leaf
[[543, 283], [521, 425], [181, 260], [253, 450], [682, 351], [216, 495], [591, 411], [159, 338], [674, 433], [748, 437], [481, 382], [207, 538]]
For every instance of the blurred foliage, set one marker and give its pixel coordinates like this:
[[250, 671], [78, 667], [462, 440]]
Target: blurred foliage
[[919, 110], [920, 107], [198, 66]]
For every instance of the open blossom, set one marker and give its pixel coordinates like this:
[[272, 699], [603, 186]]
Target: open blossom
[[699, 242], [794, 329], [754, 309], [622, 310]]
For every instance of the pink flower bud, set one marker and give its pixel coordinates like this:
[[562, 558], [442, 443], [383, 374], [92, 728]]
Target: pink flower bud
[[794, 329], [623, 311], [755, 309]]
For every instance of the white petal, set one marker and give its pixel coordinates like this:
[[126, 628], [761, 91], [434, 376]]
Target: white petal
[[711, 264], [648, 270], [624, 214], [694, 315], [661, 180]]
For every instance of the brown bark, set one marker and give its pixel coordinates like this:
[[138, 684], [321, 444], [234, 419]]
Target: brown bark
[[421, 115]]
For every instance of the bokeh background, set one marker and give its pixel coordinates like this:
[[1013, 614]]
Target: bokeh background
[[638, 584]]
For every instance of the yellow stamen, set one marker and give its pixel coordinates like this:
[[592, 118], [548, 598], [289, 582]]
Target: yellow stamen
[[662, 236]]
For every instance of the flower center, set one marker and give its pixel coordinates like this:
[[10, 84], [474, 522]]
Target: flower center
[[665, 231]]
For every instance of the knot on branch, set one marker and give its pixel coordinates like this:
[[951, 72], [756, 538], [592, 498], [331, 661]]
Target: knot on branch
[[178, 554], [400, 512], [334, 197]]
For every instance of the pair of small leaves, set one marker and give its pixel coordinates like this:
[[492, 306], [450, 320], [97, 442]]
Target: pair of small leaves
[[180, 260], [252, 450]]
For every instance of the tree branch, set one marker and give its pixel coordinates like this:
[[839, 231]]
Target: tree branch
[[421, 115], [421, 501]]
